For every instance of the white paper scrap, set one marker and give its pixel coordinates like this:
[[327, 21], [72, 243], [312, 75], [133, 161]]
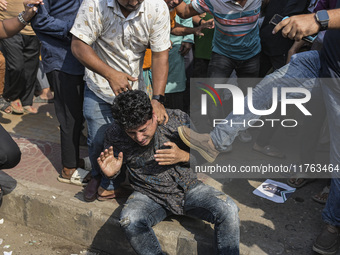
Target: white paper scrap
[[277, 192], [7, 253]]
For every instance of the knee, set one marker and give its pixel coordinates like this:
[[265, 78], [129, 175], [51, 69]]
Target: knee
[[10, 157], [229, 211], [132, 222]]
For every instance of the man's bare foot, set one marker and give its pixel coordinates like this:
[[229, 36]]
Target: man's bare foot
[[46, 94], [30, 109], [108, 163]]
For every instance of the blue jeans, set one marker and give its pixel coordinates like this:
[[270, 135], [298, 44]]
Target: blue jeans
[[331, 212], [140, 213], [302, 71], [99, 117]]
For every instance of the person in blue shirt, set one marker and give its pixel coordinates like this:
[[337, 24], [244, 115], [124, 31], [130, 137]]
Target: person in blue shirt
[[65, 74]]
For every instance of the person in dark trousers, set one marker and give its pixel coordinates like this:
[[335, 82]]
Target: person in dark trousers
[[10, 154], [65, 73]]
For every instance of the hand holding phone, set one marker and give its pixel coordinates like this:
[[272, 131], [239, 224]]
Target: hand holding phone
[[276, 19]]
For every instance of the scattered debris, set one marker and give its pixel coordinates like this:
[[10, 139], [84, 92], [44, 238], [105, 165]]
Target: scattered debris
[[2, 221], [6, 246], [7, 252]]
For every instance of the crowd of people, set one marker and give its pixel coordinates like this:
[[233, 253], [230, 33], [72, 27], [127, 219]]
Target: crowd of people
[[122, 67]]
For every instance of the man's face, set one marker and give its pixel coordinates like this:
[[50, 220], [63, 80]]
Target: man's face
[[173, 3], [144, 134], [130, 5]]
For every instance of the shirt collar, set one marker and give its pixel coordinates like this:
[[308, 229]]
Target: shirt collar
[[114, 4]]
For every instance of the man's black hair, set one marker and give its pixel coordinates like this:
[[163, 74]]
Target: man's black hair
[[132, 109]]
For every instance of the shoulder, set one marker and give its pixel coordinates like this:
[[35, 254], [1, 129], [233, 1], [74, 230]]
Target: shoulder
[[114, 133], [155, 6], [177, 118]]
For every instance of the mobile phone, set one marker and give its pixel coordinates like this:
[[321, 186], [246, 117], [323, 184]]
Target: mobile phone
[[276, 19]]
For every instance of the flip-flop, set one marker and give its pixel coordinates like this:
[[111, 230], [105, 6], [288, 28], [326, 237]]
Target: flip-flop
[[301, 184], [17, 107], [119, 193], [322, 196], [28, 109], [5, 106], [79, 177], [38, 99]]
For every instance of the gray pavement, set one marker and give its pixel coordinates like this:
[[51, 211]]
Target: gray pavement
[[35, 198]]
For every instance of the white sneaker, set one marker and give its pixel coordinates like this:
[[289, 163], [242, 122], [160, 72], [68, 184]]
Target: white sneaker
[[244, 136]]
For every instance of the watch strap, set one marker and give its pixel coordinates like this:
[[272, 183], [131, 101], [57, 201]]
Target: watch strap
[[21, 18], [159, 98], [322, 18]]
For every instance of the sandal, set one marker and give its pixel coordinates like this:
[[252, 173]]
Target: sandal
[[299, 181], [322, 196], [30, 109], [17, 107], [80, 177], [269, 150], [5, 106]]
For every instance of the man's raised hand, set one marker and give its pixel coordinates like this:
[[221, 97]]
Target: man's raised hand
[[110, 165]]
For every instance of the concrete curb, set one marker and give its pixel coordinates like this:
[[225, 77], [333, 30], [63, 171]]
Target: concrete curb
[[96, 225]]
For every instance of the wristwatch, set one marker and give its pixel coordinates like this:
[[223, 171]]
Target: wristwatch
[[21, 18], [323, 19], [159, 98]]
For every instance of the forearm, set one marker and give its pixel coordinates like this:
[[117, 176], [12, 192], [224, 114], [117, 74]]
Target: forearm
[[182, 31], [87, 56], [334, 19], [10, 27], [160, 69]]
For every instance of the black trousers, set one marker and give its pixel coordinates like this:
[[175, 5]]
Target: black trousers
[[22, 63], [10, 154], [68, 103]]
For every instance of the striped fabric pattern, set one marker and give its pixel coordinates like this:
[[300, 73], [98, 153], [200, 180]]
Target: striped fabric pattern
[[236, 28]]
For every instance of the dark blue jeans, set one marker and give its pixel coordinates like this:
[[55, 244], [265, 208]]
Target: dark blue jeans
[[331, 212], [140, 213], [222, 67]]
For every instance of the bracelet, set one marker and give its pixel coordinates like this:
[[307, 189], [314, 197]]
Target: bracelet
[[21, 18], [200, 22]]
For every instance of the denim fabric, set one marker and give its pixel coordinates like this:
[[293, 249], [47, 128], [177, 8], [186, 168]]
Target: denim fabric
[[99, 117], [140, 213], [302, 71], [331, 212], [221, 66]]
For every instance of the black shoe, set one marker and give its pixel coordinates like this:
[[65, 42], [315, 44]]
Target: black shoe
[[327, 242]]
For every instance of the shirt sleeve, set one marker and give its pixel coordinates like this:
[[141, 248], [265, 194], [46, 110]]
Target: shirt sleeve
[[46, 24], [88, 24], [199, 6], [160, 31]]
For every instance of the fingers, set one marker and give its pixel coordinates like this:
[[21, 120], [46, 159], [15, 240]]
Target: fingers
[[120, 157], [279, 26], [163, 151], [166, 118]]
